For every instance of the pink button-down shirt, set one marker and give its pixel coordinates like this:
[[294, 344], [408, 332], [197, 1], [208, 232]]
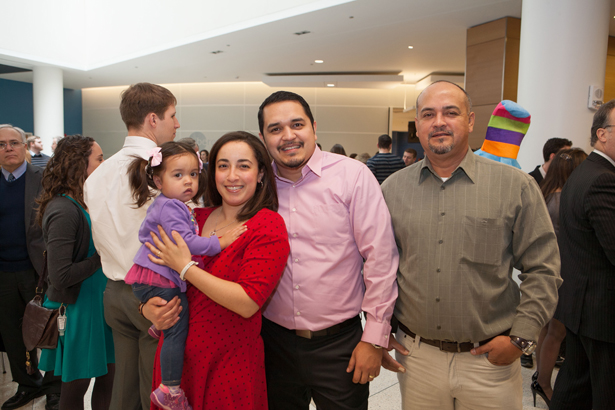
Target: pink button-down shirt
[[336, 217]]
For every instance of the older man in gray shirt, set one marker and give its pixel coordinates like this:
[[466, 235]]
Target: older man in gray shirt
[[462, 223]]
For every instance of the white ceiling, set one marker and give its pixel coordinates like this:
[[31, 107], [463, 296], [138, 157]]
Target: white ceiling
[[350, 36]]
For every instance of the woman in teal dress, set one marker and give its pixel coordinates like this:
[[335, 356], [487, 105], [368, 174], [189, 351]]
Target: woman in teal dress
[[75, 280]]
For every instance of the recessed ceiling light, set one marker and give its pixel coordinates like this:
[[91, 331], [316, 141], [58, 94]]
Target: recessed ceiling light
[[318, 61], [411, 47], [330, 85]]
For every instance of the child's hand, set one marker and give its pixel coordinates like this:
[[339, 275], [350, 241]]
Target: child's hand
[[230, 236]]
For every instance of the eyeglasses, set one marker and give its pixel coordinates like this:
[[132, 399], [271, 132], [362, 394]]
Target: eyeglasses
[[608, 126], [13, 144]]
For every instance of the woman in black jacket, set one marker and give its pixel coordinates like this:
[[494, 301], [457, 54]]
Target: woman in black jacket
[[76, 280]]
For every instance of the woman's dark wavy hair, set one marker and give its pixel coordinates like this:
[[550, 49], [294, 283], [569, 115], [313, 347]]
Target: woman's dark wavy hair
[[66, 171], [266, 194], [141, 173], [562, 165]]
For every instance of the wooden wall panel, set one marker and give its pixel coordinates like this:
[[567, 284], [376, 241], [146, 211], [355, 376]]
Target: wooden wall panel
[[609, 78], [511, 69], [484, 71], [482, 115], [486, 32]]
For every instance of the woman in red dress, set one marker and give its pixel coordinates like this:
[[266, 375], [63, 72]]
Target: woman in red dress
[[224, 366]]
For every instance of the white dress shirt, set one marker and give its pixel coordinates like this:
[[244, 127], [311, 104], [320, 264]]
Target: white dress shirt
[[115, 218]]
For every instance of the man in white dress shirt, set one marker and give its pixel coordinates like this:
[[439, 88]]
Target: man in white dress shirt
[[148, 111]]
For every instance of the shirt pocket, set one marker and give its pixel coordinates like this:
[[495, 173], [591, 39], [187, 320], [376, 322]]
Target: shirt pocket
[[330, 224], [482, 240]]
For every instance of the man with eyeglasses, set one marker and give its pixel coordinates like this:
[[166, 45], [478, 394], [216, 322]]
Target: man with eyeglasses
[[21, 261], [587, 296]]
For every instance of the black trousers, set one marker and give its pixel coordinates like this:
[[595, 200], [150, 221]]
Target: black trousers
[[16, 290], [587, 378], [300, 369]]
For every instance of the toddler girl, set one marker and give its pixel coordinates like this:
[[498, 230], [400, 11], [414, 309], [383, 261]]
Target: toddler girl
[[174, 169]]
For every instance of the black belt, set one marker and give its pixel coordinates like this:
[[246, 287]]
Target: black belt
[[449, 346], [309, 334]]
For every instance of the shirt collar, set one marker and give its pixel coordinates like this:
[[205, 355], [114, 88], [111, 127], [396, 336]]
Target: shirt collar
[[17, 173], [467, 166], [313, 165], [602, 154], [140, 143]]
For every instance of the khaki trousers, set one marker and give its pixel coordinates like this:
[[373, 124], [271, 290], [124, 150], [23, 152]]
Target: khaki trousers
[[445, 381], [135, 349]]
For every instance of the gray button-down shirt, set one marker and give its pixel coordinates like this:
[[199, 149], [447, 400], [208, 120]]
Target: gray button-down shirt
[[458, 242]]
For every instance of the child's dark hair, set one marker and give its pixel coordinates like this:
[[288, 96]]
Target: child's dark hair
[[141, 173]]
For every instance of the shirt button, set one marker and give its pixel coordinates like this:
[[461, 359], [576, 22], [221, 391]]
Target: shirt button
[[386, 336], [440, 241], [294, 209], [299, 314], [442, 187], [296, 286], [294, 235], [443, 213], [296, 259], [437, 299], [438, 270], [437, 327]]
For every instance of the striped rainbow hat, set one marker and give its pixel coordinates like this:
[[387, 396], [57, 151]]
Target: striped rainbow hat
[[507, 127]]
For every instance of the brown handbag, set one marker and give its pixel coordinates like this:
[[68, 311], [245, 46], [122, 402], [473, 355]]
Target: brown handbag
[[40, 325]]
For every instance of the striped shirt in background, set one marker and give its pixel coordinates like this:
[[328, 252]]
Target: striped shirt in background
[[40, 160], [383, 165]]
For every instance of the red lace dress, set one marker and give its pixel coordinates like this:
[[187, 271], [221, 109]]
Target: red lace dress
[[224, 363]]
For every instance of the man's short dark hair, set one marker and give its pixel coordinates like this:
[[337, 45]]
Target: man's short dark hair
[[384, 141], [411, 151], [281, 96], [140, 99], [601, 119], [553, 145]]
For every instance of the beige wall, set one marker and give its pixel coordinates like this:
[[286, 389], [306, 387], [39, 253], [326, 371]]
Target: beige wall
[[351, 117]]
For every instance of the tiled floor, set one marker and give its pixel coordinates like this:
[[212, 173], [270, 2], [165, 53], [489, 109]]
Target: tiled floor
[[384, 392]]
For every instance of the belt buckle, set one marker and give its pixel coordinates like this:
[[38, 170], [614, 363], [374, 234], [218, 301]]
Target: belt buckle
[[307, 334], [444, 342]]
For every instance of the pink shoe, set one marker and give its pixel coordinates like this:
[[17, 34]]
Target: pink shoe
[[153, 332], [168, 401]]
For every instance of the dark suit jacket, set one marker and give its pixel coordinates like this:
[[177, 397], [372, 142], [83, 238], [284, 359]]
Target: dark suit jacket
[[34, 233], [537, 174], [587, 248]]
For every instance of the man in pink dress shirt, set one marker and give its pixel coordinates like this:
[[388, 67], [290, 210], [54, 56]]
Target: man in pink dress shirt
[[338, 223]]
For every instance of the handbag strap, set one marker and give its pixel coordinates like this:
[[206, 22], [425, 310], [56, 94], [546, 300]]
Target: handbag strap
[[43, 276]]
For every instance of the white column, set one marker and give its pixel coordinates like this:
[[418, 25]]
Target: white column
[[48, 101], [563, 51]]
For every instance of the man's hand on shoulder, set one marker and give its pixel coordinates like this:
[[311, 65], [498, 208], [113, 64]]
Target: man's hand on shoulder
[[500, 351], [365, 361]]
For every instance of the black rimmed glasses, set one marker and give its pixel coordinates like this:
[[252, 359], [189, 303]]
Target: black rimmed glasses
[[13, 144]]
